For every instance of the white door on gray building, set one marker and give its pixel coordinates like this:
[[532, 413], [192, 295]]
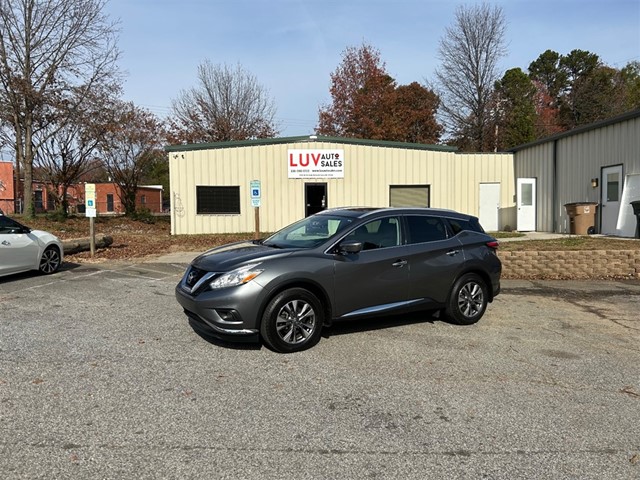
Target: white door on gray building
[[490, 206], [526, 204], [611, 194]]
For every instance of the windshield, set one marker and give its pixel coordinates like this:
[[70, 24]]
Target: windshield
[[309, 232]]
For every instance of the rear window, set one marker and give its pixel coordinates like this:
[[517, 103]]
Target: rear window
[[458, 225], [426, 229]]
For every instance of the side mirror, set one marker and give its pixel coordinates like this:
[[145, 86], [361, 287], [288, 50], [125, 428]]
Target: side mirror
[[348, 247]]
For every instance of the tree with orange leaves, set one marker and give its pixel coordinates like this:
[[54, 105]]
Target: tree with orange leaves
[[367, 103]]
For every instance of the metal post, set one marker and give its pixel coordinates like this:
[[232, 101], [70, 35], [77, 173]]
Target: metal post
[[92, 236], [256, 234]]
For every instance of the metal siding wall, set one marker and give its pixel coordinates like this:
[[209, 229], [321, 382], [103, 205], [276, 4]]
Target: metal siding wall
[[537, 162], [474, 169], [577, 159], [369, 171], [580, 158]]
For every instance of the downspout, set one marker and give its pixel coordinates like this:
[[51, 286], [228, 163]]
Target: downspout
[[554, 192], [172, 203]]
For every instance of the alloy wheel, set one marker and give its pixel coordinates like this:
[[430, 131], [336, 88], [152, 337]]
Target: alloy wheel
[[50, 261], [296, 322], [470, 299]]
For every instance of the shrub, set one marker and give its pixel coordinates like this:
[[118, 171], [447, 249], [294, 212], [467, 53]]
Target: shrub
[[58, 215], [143, 215]]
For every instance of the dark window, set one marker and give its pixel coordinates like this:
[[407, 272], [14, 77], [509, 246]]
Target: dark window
[[8, 226], [458, 225], [377, 234], [39, 204], [425, 229], [110, 202], [221, 200]]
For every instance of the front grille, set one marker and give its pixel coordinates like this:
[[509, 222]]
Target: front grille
[[192, 276], [195, 278]]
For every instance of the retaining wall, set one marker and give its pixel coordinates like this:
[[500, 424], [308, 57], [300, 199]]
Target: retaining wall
[[571, 264]]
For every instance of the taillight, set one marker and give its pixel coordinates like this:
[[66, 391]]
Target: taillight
[[494, 244]]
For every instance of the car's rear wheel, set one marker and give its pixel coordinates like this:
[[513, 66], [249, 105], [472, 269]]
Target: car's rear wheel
[[50, 260], [292, 321], [468, 300]]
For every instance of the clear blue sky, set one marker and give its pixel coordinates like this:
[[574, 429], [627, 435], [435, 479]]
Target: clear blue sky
[[292, 46]]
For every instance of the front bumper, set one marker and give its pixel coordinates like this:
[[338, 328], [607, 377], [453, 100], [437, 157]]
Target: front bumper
[[229, 314]]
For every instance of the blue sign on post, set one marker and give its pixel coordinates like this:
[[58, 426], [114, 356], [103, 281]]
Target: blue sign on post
[[256, 193]]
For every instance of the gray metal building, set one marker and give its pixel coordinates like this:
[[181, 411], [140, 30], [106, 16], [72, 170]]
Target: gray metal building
[[597, 163]]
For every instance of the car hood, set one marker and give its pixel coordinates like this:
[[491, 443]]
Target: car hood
[[44, 237], [233, 255]]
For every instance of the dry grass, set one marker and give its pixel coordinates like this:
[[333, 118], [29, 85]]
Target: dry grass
[[572, 243]]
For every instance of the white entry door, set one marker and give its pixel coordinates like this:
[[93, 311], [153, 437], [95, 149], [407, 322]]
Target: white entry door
[[489, 206], [611, 194], [526, 204]]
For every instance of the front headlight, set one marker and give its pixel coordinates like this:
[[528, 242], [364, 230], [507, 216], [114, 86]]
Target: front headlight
[[236, 277]]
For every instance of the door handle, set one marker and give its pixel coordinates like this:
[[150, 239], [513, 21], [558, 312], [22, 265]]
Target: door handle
[[399, 263], [451, 253], [4, 242]]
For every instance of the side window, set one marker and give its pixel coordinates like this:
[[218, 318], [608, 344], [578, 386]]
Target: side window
[[380, 233], [458, 225], [110, 202], [6, 225], [423, 228]]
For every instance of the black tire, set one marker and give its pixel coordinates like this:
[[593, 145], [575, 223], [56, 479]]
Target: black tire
[[292, 321], [50, 261], [468, 300]]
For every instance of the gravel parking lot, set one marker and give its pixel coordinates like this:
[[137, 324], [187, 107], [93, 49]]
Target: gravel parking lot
[[101, 376]]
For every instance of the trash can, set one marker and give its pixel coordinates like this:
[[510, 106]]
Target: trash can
[[582, 217], [636, 211]]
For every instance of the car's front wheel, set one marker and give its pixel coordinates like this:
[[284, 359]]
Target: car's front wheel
[[468, 300], [50, 260], [292, 321]]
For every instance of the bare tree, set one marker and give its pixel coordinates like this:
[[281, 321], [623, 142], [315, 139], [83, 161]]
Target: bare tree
[[469, 52], [131, 148], [227, 104], [52, 52], [69, 149]]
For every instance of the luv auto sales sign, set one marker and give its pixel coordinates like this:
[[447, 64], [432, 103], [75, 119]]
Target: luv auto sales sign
[[323, 163]]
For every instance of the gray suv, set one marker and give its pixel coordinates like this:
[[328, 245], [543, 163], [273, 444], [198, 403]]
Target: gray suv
[[340, 264]]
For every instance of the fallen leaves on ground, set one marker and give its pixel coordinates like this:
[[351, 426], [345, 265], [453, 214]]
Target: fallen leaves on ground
[[131, 238]]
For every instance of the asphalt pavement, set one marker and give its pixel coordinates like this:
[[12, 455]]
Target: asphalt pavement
[[101, 376]]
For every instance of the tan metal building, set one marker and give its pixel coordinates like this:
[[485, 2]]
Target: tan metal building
[[216, 188], [598, 164]]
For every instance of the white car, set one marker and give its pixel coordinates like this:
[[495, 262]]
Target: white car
[[23, 249]]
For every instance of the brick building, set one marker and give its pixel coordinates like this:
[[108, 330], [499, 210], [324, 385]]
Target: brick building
[[107, 196], [7, 194]]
